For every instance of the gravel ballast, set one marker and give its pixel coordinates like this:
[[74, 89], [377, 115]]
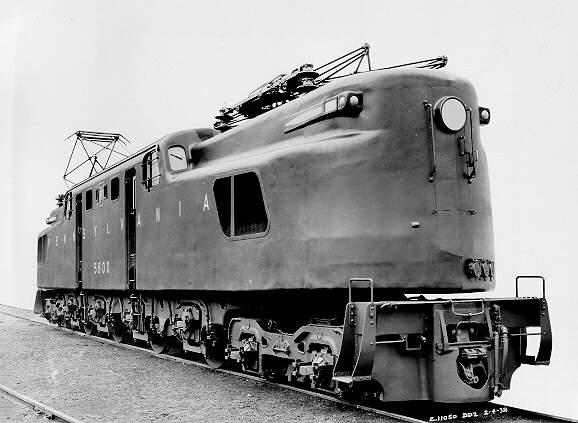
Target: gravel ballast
[[92, 381]]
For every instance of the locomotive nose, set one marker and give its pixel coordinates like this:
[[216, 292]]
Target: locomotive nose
[[458, 177]]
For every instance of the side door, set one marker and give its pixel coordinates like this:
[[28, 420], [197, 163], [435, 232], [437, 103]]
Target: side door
[[451, 181], [78, 240], [130, 227]]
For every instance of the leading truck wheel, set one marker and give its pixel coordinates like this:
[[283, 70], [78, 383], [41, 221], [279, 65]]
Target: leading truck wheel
[[213, 346], [119, 330]]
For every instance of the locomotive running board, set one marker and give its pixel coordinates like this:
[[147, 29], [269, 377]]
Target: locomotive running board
[[439, 350]]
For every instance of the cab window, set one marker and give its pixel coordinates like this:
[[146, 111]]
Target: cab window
[[42, 246], [177, 157]]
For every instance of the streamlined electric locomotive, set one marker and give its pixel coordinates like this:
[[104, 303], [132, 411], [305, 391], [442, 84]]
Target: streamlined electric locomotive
[[294, 240]]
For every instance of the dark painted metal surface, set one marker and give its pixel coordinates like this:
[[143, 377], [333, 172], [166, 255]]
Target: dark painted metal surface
[[341, 195], [420, 349]]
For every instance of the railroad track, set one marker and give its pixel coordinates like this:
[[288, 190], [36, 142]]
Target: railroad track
[[403, 412], [45, 410]]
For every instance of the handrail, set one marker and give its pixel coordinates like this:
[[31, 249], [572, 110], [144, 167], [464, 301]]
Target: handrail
[[362, 280], [532, 277], [434, 168]]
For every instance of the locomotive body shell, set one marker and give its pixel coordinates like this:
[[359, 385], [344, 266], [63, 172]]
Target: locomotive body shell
[[340, 195]]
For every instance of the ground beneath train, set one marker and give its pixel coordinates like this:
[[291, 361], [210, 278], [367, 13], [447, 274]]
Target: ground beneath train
[[92, 381]]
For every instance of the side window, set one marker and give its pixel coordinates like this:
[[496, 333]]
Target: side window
[[41, 258], [151, 174], [100, 194], [88, 199], [177, 157], [250, 214], [114, 188], [68, 206], [240, 205], [222, 191]]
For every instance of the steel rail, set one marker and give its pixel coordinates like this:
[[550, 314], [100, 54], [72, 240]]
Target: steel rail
[[49, 412], [311, 393]]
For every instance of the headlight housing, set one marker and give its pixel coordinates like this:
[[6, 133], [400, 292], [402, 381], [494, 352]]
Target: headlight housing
[[485, 115], [450, 114], [347, 103]]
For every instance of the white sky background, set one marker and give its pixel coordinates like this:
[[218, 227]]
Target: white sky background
[[146, 69]]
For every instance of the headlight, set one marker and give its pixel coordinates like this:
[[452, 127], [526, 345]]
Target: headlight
[[450, 114]]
